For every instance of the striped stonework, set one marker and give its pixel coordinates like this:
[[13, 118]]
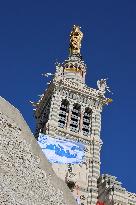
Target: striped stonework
[[72, 110]]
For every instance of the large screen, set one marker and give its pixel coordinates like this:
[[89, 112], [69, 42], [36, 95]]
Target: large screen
[[60, 150]]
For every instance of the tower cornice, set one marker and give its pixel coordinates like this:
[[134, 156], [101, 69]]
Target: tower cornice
[[81, 88]]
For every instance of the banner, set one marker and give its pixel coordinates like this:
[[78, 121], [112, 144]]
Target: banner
[[63, 151]]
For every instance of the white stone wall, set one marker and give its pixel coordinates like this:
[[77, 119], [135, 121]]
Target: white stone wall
[[26, 177]]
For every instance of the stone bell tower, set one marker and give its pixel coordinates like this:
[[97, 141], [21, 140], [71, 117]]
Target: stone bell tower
[[72, 110]]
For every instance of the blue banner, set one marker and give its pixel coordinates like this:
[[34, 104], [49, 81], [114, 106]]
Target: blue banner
[[59, 150]]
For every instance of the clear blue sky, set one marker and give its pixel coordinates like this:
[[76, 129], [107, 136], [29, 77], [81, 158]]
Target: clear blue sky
[[33, 34]]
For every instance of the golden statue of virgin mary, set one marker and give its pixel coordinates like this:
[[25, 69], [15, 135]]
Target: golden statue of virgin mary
[[75, 40]]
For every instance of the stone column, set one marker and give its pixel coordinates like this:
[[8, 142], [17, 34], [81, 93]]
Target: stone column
[[81, 119], [96, 123], [69, 115], [93, 123], [90, 125], [95, 148], [54, 113], [94, 171]]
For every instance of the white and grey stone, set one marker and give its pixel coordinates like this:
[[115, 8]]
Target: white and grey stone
[[26, 177]]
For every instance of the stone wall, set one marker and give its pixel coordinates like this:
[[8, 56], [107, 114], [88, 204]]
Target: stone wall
[[26, 177]]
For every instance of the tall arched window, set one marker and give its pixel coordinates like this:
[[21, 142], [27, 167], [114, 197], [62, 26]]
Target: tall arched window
[[63, 113], [87, 121], [74, 123]]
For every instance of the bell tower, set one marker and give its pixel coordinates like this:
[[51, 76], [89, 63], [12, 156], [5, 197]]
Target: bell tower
[[70, 110]]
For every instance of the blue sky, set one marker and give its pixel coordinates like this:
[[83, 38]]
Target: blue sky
[[33, 34]]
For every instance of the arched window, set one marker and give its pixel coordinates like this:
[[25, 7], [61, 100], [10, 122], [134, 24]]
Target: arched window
[[63, 113], [74, 123], [86, 122]]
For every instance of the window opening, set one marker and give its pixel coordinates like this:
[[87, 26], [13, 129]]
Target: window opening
[[86, 122], [74, 123], [63, 113]]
